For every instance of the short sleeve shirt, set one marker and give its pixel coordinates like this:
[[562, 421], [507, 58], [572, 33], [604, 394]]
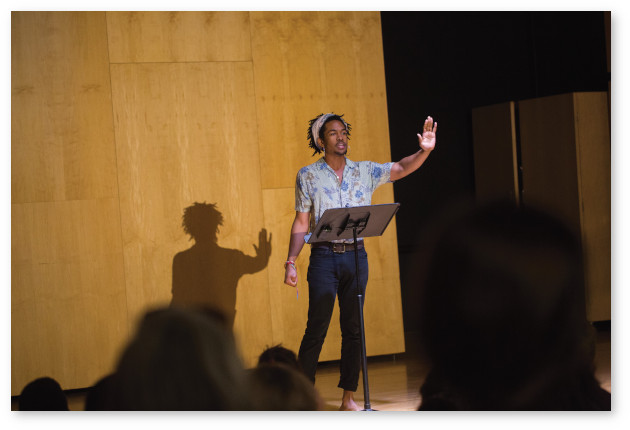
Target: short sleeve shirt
[[317, 187]]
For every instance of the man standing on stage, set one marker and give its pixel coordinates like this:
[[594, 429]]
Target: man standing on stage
[[334, 181]]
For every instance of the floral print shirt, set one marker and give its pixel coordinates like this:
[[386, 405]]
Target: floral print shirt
[[317, 187]]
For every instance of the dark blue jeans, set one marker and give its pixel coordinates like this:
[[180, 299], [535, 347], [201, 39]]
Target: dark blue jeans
[[330, 275]]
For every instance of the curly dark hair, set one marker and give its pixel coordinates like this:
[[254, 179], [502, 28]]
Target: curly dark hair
[[312, 140]]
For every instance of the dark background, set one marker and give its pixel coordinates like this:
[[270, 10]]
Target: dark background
[[444, 64]]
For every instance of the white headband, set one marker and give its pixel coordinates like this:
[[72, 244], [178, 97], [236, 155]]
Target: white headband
[[317, 125]]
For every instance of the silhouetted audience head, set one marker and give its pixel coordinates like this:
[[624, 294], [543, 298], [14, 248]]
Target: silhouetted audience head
[[180, 359], [503, 316], [278, 354], [43, 394], [278, 387]]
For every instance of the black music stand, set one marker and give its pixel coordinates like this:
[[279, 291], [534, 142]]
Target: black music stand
[[351, 223]]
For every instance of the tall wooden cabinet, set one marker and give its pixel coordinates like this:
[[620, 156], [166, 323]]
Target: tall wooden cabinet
[[557, 150]]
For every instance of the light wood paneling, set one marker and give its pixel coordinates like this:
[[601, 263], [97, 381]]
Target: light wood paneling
[[68, 305], [187, 133], [307, 63], [165, 136], [288, 309], [302, 70], [62, 140], [169, 37]]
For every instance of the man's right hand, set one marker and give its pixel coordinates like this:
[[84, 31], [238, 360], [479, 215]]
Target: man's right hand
[[290, 276]]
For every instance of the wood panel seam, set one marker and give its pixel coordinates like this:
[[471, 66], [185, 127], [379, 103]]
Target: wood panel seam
[[120, 220], [182, 62]]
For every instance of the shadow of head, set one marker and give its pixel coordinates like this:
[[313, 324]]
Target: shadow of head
[[201, 222]]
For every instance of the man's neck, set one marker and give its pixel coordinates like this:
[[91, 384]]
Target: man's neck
[[336, 162]]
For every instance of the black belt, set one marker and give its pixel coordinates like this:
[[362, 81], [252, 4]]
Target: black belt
[[338, 248]]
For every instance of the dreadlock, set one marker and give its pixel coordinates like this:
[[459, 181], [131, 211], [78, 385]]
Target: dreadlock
[[312, 140]]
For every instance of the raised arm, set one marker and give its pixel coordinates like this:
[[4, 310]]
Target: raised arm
[[411, 163], [298, 231]]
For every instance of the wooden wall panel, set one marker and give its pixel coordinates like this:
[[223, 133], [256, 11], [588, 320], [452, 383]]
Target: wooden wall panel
[[68, 304], [302, 70], [137, 37], [103, 172], [61, 124], [593, 153], [307, 63], [288, 310], [565, 147], [187, 133], [545, 123]]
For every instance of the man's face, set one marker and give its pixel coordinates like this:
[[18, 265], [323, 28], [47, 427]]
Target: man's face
[[335, 138]]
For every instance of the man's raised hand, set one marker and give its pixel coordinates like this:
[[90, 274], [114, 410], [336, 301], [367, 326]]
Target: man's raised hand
[[427, 138]]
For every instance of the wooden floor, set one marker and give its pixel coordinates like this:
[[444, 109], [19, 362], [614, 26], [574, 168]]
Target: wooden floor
[[394, 381]]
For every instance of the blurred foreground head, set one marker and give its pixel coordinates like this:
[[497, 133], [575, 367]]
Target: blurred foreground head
[[43, 394], [503, 316], [278, 354], [280, 387], [180, 359]]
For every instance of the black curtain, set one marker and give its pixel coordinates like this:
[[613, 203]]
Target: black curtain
[[444, 64]]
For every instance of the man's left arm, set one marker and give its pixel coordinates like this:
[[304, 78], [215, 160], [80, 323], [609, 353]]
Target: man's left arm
[[411, 163]]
